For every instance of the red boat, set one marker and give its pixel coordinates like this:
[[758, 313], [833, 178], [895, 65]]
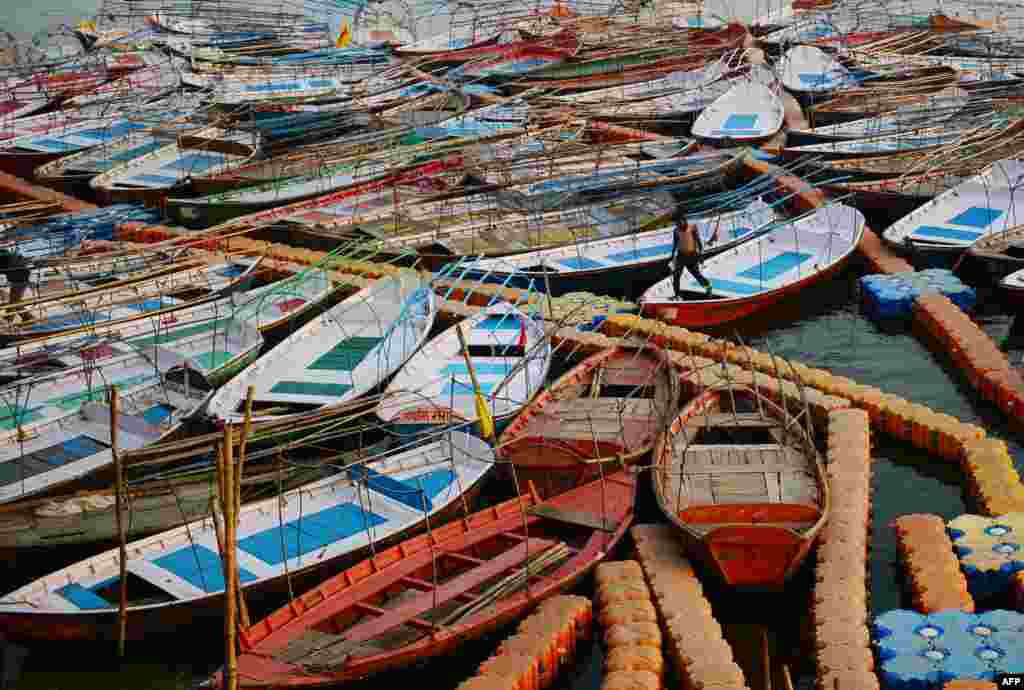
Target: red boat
[[608, 409], [743, 484], [427, 595], [762, 272]]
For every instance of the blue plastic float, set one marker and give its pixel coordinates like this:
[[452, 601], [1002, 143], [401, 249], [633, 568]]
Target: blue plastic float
[[892, 296], [990, 549], [922, 652]]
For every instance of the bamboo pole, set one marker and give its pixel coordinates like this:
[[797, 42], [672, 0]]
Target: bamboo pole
[[122, 614], [243, 609], [230, 596]]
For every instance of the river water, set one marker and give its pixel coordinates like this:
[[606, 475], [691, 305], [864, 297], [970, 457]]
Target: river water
[[824, 329]]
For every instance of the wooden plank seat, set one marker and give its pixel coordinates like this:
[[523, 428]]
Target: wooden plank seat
[[727, 419], [589, 417], [333, 649]]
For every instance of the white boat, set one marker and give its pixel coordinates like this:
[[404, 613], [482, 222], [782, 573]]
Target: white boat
[[54, 121], [76, 136], [510, 354], [987, 203], [937, 110], [885, 145], [176, 116], [278, 538], [338, 356], [230, 92], [750, 110], [149, 82], [458, 38], [683, 80], [214, 151], [807, 28], [48, 435], [164, 288], [717, 232], [762, 272], [806, 69], [290, 189]]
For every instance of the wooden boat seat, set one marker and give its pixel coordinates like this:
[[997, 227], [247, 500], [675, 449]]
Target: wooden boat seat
[[588, 418], [318, 648], [724, 474], [727, 419]]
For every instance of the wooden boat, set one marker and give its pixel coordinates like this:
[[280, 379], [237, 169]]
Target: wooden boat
[[942, 229], [807, 29], [294, 90], [458, 38], [510, 355], [54, 434], [562, 268], [743, 484], [806, 69], [75, 170], [338, 356], [164, 496], [341, 207], [62, 451], [22, 155], [750, 110], [159, 290], [913, 89], [176, 577], [510, 61], [916, 142], [608, 409], [678, 109], [1001, 253], [371, 618], [681, 80], [938, 109], [238, 202], [53, 121], [156, 175], [149, 82], [767, 270]]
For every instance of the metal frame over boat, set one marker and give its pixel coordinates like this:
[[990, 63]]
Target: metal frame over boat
[[510, 355], [745, 488], [424, 597], [766, 270], [176, 577], [942, 229], [342, 354], [608, 409]]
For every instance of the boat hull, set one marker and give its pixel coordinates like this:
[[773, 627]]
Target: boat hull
[[706, 313], [614, 497], [750, 556], [198, 615]]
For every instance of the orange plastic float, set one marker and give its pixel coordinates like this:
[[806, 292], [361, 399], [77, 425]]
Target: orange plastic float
[[982, 363], [842, 639], [543, 644], [693, 638], [933, 571], [632, 635]]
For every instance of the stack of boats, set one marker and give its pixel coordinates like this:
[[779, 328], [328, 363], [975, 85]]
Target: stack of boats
[[549, 149]]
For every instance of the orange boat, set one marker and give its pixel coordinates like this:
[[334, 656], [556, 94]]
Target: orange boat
[[608, 409], [742, 481], [427, 595]]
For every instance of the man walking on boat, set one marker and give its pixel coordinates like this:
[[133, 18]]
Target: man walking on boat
[[15, 268], [686, 251]]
